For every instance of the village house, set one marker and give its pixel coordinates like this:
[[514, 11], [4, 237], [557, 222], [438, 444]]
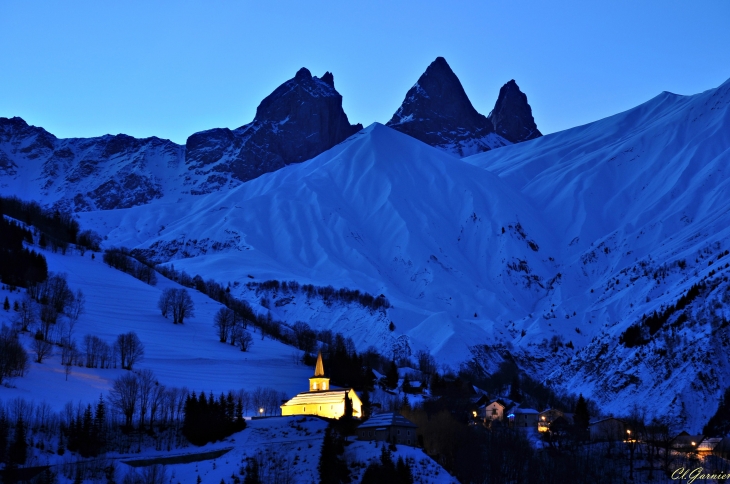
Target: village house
[[608, 429], [493, 411], [388, 427], [687, 443], [709, 444], [321, 400], [523, 417], [546, 417]]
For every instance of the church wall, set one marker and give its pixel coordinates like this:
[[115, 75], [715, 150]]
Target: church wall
[[327, 410]]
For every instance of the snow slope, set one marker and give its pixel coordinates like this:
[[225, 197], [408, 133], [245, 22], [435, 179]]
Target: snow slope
[[639, 204], [455, 250], [187, 355]]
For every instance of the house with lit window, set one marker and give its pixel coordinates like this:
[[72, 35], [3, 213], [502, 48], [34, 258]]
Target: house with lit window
[[388, 427], [546, 417], [494, 411], [321, 400]]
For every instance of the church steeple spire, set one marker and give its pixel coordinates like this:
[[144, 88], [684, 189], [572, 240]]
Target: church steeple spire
[[319, 383], [319, 369]]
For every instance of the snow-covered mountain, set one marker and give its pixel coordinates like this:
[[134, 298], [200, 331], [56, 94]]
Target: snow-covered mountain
[[548, 252], [522, 252], [438, 112], [455, 250], [639, 209], [300, 119], [87, 173]]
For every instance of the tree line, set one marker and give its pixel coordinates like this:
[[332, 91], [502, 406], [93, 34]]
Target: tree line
[[60, 228], [120, 259], [328, 294], [18, 265], [640, 333], [208, 419], [138, 412]]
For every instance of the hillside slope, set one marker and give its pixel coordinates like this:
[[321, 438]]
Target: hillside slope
[[639, 204], [451, 246]]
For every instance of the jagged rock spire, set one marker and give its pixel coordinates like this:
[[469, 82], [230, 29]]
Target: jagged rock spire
[[438, 112], [511, 117]]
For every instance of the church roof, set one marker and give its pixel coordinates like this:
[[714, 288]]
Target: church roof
[[319, 369], [389, 419], [320, 398]]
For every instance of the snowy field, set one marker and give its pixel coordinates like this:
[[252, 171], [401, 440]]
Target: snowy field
[[187, 355]]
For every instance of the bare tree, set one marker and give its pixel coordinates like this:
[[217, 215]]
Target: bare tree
[[245, 341], [42, 348], [97, 352], [75, 311], [130, 349], [426, 362], [146, 382], [176, 302], [49, 316], [124, 395], [158, 397], [182, 306], [27, 314], [223, 323], [165, 302]]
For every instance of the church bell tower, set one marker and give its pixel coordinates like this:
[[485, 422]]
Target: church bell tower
[[319, 383]]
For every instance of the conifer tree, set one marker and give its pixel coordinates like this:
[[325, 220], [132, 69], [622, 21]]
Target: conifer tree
[[581, 416], [18, 451], [4, 434], [391, 377], [6, 304]]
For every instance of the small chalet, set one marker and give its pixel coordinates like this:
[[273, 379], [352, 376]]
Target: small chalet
[[523, 417], [709, 444], [607, 429], [321, 400], [388, 427], [546, 417], [494, 411], [686, 442]]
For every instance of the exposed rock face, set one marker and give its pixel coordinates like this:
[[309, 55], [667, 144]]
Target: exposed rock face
[[82, 174], [302, 118], [299, 120], [511, 117], [438, 112]]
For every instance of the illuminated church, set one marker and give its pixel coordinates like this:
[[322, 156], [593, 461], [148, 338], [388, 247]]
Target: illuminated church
[[321, 400]]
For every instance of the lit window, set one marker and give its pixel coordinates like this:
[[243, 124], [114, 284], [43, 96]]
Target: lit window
[[314, 385]]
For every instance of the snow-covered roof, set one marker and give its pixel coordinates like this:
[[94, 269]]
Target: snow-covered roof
[[389, 419], [307, 398], [525, 410]]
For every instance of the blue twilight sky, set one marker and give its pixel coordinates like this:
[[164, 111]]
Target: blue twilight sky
[[171, 68]]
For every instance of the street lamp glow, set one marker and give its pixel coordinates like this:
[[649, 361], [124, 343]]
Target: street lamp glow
[[261, 411]]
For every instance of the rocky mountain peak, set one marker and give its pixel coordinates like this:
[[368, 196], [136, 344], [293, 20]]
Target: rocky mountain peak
[[437, 99], [438, 112], [511, 117], [299, 120], [329, 79]]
